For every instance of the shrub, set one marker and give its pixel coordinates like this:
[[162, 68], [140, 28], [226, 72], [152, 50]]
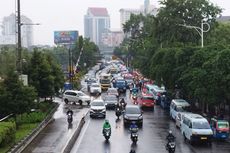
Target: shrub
[[46, 106], [33, 117], [7, 133]]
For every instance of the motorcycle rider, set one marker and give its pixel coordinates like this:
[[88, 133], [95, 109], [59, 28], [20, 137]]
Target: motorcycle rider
[[122, 103], [170, 137], [69, 112], [118, 110], [133, 127], [106, 126]]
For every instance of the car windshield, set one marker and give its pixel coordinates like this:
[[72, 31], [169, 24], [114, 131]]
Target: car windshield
[[98, 103], [180, 109], [121, 82], [81, 94], [95, 85], [112, 98], [133, 110], [147, 98], [200, 125], [105, 81], [112, 91], [222, 125]]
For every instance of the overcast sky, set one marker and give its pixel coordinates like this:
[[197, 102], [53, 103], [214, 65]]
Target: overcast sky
[[69, 14]]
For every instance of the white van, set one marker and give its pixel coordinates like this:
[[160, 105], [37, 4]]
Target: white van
[[178, 105], [196, 128], [155, 90]]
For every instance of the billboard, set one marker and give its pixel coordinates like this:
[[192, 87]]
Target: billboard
[[65, 37]]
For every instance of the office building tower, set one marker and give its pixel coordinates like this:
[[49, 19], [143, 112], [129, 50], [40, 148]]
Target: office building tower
[[96, 22]]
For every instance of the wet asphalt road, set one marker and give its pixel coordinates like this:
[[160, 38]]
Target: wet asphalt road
[[151, 137], [54, 137]]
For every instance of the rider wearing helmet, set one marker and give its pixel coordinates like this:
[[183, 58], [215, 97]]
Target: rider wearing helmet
[[122, 102], [106, 125], [170, 136], [69, 112]]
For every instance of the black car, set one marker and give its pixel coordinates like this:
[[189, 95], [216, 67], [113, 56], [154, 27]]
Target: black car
[[110, 101], [133, 113]]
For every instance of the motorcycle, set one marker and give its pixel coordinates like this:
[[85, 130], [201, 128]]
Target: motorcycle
[[118, 112], [134, 97], [171, 146], [134, 135], [69, 118], [123, 105], [107, 134]]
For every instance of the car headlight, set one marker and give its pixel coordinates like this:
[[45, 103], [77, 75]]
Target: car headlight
[[103, 110], [126, 117], [194, 133], [140, 117]]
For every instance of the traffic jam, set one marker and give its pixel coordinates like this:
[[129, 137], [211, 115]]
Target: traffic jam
[[109, 86]]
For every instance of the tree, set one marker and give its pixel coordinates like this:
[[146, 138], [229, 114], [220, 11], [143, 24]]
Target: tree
[[219, 35], [16, 98], [40, 75], [175, 13], [56, 73]]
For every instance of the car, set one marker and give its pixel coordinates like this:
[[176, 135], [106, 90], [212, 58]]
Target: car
[[90, 81], [178, 105], [132, 113], [110, 101], [146, 100], [196, 128], [76, 97], [95, 88], [121, 85], [180, 118], [97, 108], [112, 91]]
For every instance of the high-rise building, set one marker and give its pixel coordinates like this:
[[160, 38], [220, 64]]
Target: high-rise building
[[96, 22], [145, 9], [112, 38], [126, 13], [9, 31]]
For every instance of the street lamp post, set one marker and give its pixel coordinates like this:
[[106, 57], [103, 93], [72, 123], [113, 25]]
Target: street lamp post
[[19, 66], [19, 45], [200, 30]]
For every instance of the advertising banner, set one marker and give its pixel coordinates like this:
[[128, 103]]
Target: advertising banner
[[65, 37]]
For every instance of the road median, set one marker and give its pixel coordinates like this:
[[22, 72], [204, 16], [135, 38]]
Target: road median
[[72, 140]]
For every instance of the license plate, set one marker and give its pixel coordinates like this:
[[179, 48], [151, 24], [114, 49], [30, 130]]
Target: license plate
[[203, 138]]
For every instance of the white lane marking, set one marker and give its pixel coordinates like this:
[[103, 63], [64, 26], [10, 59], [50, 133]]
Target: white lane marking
[[79, 140]]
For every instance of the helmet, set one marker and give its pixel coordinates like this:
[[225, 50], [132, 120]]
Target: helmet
[[107, 121], [170, 132]]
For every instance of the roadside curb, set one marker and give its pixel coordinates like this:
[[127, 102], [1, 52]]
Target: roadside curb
[[20, 146], [71, 142]]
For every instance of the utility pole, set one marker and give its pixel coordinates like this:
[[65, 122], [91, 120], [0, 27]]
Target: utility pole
[[19, 50]]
